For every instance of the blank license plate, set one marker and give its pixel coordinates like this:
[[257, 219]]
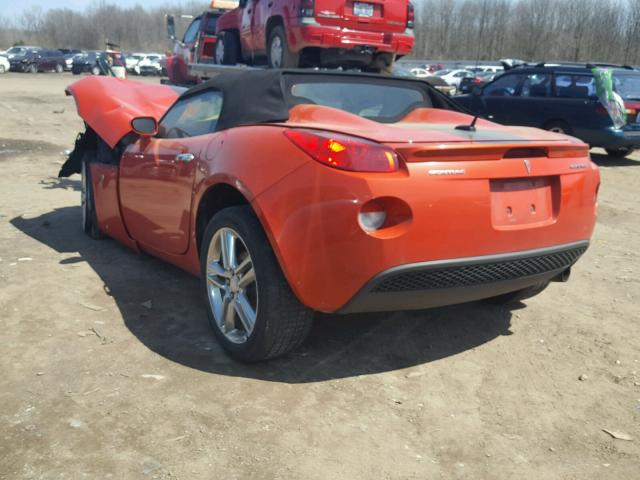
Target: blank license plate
[[363, 9], [516, 203]]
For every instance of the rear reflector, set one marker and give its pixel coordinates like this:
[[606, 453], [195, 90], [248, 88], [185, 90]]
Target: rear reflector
[[343, 151]]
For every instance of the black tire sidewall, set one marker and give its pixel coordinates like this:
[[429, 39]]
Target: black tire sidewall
[[90, 224], [289, 59], [621, 152], [269, 277]]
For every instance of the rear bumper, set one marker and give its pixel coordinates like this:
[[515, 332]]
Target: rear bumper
[[311, 218], [313, 34], [629, 136], [447, 282]]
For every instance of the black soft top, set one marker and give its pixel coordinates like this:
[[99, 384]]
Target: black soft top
[[261, 96]]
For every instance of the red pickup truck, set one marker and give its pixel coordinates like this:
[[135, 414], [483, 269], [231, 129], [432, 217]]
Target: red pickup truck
[[367, 34]]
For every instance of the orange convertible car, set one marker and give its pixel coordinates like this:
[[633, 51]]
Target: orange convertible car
[[294, 191]]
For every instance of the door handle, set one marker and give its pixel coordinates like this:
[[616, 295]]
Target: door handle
[[185, 157]]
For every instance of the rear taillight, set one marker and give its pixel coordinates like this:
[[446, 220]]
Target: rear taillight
[[411, 15], [343, 151], [306, 8]]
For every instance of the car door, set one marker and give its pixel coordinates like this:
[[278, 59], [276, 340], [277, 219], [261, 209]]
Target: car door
[[157, 174], [261, 11], [496, 101], [246, 17], [190, 41], [532, 103], [576, 103]]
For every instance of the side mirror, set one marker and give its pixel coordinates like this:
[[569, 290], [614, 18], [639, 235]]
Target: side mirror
[[171, 27], [144, 126]]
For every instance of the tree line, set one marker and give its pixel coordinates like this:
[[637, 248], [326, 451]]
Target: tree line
[[534, 30]]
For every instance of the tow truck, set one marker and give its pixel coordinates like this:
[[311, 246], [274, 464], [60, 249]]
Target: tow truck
[[369, 35], [193, 57]]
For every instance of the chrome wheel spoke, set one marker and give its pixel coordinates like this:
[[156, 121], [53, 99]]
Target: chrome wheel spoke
[[248, 278], [228, 315], [245, 312], [228, 247], [231, 285]]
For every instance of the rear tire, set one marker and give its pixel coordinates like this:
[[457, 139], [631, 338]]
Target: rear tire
[[518, 295], [59, 68], [227, 49], [251, 308], [558, 126], [621, 152], [278, 53], [87, 204], [33, 68], [2, 69], [95, 70]]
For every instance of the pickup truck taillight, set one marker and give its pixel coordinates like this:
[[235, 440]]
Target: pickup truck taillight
[[306, 8], [411, 15], [344, 151]]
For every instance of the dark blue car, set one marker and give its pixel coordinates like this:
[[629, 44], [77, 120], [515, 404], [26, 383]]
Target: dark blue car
[[562, 98]]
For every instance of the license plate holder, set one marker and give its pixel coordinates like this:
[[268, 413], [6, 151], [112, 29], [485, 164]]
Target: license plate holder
[[523, 202], [363, 9]]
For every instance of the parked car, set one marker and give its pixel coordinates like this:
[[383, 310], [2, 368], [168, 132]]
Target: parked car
[[478, 80], [41, 60], [5, 66], [20, 51], [420, 72], [87, 62], [149, 64], [485, 68], [453, 76], [69, 54], [433, 67], [289, 192], [131, 60], [317, 33], [562, 98]]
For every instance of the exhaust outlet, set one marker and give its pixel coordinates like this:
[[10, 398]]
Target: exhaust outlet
[[562, 276]]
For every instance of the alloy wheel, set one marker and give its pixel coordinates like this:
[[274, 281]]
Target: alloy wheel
[[232, 287], [276, 51], [219, 51]]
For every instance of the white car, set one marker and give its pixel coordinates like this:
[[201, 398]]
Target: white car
[[132, 60], [420, 72], [484, 68], [4, 64], [453, 77], [149, 65]]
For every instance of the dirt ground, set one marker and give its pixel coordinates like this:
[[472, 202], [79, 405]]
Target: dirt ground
[[95, 384]]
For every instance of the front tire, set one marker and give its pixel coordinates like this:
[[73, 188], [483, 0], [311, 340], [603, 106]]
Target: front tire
[[621, 152], [87, 204], [559, 126], [250, 306], [227, 49], [278, 53], [32, 68], [59, 68]]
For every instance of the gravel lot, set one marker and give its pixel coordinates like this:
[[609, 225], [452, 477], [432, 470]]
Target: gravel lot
[[109, 370]]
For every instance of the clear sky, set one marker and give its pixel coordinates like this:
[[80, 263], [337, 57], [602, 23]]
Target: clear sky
[[13, 8]]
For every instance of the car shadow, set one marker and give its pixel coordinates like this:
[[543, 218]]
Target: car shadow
[[54, 183], [339, 346], [603, 160]]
